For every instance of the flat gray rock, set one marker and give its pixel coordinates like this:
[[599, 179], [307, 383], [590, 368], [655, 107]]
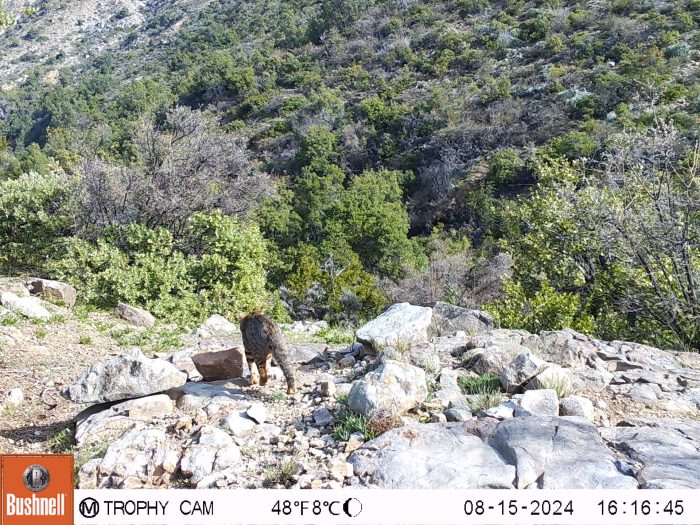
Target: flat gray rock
[[401, 323], [667, 450], [127, 376], [134, 315], [306, 353], [557, 453], [432, 456], [30, 307]]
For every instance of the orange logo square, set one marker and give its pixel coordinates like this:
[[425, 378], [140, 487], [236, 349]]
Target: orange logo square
[[36, 489]]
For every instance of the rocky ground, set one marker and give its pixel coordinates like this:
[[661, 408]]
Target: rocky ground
[[425, 397]]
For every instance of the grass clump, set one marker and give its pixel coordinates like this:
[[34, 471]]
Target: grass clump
[[345, 422], [85, 340], [559, 384], [484, 401], [282, 474], [486, 383]]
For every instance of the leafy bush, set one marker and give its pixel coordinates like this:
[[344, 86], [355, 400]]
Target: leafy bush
[[33, 218], [218, 267]]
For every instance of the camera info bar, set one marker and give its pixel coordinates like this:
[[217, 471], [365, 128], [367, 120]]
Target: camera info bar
[[390, 507]]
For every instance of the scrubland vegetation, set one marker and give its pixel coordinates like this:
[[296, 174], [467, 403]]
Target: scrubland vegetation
[[537, 159]]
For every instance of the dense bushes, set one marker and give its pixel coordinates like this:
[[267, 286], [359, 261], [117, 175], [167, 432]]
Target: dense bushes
[[218, 266], [379, 122], [31, 220]]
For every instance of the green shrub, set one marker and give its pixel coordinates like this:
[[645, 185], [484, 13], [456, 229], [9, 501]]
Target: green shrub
[[505, 167], [218, 267], [32, 220], [546, 309]]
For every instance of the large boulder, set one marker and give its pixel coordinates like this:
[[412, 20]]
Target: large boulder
[[30, 307], [557, 453], [218, 326], [401, 324], [432, 456], [394, 387], [136, 316], [127, 376], [223, 364], [449, 319], [53, 291], [664, 452], [100, 426]]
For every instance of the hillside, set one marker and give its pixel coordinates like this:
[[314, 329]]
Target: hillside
[[537, 159]]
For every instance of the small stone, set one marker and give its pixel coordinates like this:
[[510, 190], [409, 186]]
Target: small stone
[[238, 424], [15, 396], [317, 443], [540, 402], [257, 412], [438, 417], [502, 411], [458, 414], [313, 432], [346, 362], [315, 483], [355, 441], [323, 417], [327, 388], [341, 470], [577, 406], [135, 316]]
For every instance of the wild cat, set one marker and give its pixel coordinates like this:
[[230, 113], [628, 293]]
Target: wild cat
[[263, 339]]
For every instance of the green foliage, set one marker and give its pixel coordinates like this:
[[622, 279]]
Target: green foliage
[[345, 422], [480, 384], [219, 267], [32, 220], [506, 167], [545, 309], [574, 145]]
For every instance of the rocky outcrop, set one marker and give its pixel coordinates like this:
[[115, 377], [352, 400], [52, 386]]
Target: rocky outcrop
[[127, 376], [541, 419], [400, 324]]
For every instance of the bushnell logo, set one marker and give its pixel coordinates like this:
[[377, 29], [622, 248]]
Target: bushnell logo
[[36, 478]]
